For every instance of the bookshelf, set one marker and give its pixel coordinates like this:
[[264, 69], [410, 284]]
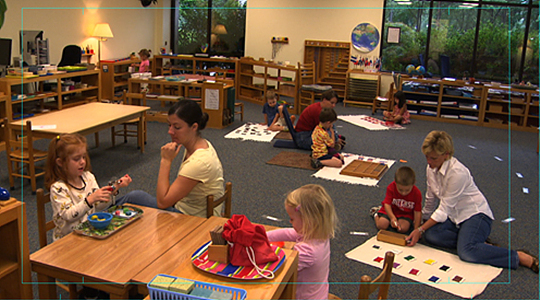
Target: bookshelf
[[361, 88], [189, 64], [114, 76]]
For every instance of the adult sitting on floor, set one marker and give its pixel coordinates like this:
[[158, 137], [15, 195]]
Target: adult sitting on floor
[[463, 218], [309, 119]]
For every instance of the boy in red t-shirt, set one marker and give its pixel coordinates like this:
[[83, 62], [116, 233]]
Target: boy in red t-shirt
[[402, 204]]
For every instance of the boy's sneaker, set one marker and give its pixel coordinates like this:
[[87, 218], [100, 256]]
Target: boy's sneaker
[[374, 210], [316, 164]]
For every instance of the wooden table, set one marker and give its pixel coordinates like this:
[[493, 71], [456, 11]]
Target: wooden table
[[177, 262], [86, 119], [111, 263]]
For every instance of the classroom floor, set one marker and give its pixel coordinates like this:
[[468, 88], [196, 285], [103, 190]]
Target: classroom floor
[[259, 188]]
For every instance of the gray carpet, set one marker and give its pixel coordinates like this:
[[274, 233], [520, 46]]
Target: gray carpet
[[259, 189]]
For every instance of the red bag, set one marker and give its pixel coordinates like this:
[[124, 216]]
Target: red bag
[[244, 236]]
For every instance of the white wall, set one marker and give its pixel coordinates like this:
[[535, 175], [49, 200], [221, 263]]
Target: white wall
[[72, 22], [300, 20]]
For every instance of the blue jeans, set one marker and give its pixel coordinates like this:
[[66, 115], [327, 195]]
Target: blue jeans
[[142, 198], [469, 240]]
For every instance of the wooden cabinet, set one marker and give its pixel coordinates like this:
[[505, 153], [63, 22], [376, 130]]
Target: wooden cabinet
[[474, 104], [361, 87], [189, 64], [255, 78], [510, 105], [114, 76], [14, 254]]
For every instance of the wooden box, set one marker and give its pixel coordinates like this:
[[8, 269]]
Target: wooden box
[[516, 110], [288, 89], [219, 253], [360, 168], [392, 237], [250, 92]]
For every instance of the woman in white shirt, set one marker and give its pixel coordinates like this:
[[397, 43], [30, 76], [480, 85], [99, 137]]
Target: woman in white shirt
[[463, 218]]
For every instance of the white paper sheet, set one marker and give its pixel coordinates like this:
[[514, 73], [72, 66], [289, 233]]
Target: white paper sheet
[[252, 132]]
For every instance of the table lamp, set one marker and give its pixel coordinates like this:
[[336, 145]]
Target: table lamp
[[102, 31]]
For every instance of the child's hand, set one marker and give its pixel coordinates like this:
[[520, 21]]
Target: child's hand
[[103, 194], [170, 150], [394, 223], [124, 181]]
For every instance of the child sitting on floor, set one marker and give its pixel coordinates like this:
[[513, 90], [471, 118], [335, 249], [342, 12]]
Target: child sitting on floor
[[314, 220], [402, 204], [323, 136], [273, 113], [400, 114]]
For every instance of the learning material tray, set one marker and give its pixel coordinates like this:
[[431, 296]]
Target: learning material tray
[[117, 222], [361, 168], [200, 260], [156, 293]]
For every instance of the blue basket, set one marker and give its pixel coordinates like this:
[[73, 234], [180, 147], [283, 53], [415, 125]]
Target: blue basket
[[155, 293]]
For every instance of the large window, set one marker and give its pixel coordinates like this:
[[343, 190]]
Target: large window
[[215, 27], [477, 38]]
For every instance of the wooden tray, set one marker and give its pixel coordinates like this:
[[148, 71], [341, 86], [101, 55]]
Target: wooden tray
[[392, 237], [360, 168], [117, 223]]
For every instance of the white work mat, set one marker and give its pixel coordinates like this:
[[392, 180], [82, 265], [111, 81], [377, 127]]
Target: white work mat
[[330, 173], [252, 132], [476, 277], [369, 123]]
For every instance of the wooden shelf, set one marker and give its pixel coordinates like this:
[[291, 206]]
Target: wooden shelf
[[507, 104], [361, 88], [268, 75], [195, 65], [7, 267], [111, 72]]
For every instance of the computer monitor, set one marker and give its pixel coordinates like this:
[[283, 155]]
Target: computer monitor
[[5, 52]]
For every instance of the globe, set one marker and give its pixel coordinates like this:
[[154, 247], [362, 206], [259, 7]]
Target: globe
[[421, 70], [365, 37], [410, 69]]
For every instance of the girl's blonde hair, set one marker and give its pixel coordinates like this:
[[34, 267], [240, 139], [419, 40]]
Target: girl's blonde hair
[[317, 210], [438, 141], [62, 147]]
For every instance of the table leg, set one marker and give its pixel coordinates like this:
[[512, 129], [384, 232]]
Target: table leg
[[46, 286], [96, 135], [140, 132]]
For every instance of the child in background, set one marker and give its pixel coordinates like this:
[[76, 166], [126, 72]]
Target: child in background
[[402, 204], [75, 193], [273, 113], [323, 136], [144, 66], [400, 114], [314, 220]]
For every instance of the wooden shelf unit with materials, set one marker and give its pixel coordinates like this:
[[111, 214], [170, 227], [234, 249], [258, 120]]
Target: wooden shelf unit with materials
[[332, 63], [362, 88], [15, 276], [57, 98], [219, 117], [189, 64], [256, 77], [472, 104], [114, 76]]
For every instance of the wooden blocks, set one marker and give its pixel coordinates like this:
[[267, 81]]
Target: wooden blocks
[[360, 168], [8, 202], [219, 253], [392, 237]]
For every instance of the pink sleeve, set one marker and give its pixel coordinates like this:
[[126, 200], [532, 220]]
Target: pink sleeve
[[282, 235], [306, 256]]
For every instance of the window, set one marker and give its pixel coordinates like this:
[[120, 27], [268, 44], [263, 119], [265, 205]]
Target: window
[[222, 35], [476, 38]]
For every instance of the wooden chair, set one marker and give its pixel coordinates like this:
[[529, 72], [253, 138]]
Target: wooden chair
[[382, 282], [306, 77], [387, 104], [227, 198], [239, 112], [130, 128], [22, 155], [43, 227]]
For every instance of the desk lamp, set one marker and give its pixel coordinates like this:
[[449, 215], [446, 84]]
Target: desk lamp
[[102, 31]]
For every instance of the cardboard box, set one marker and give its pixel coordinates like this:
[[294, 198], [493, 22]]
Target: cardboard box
[[495, 107], [516, 110]]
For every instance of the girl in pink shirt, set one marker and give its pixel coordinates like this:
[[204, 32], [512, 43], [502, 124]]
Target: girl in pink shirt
[[313, 217]]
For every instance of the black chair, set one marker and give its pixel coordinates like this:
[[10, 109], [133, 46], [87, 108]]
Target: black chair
[[286, 143], [71, 55], [445, 65]]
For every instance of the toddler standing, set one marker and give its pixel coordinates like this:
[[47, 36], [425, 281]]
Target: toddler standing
[[314, 220], [144, 66]]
